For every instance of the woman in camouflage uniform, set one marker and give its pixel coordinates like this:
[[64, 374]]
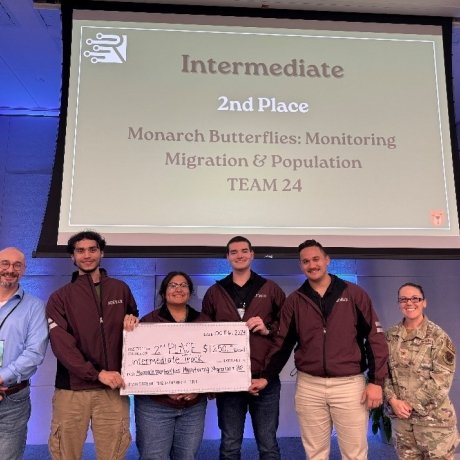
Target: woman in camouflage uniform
[[422, 366]]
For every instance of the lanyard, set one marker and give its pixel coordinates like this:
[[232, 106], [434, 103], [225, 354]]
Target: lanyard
[[11, 311]]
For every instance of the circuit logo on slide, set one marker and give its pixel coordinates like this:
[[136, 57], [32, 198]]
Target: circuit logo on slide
[[107, 49]]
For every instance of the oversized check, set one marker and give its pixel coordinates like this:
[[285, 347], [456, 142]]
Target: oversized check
[[167, 358]]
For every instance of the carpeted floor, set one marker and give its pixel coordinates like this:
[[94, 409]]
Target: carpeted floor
[[291, 448]]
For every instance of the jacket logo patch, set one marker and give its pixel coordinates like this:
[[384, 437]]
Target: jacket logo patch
[[261, 296], [114, 302], [342, 299]]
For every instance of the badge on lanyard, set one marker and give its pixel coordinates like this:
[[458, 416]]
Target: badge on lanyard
[[2, 343]]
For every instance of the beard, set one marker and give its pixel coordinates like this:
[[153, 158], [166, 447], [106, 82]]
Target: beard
[[9, 284]]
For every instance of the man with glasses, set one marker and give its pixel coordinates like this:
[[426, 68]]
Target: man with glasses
[[86, 319], [23, 342], [246, 296], [337, 337]]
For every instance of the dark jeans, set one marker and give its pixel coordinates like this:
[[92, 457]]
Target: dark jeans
[[164, 432], [264, 410]]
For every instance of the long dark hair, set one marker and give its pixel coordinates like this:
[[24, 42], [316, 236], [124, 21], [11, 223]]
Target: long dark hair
[[167, 279]]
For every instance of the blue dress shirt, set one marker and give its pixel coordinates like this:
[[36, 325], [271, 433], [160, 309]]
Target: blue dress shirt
[[25, 336]]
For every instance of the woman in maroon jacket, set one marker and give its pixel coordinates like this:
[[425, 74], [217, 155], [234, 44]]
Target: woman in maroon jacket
[[171, 426]]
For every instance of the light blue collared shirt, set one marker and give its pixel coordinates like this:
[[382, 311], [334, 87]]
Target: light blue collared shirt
[[24, 335]]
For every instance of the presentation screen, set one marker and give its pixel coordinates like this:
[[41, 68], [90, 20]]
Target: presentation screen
[[183, 130]]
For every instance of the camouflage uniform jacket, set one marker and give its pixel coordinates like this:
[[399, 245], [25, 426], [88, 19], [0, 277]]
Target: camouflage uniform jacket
[[422, 366]]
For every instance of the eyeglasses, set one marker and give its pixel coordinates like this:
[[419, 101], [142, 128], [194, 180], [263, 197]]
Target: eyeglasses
[[413, 299], [6, 264], [177, 285]]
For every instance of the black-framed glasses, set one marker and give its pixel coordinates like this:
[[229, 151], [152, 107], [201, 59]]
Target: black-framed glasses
[[6, 264], [413, 299]]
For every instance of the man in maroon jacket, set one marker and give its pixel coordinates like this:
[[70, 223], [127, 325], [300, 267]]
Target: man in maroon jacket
[[244, 295], [86, 318], [337, 337]]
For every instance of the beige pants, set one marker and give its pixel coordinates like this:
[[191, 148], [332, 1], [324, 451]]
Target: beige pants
[[325, 402], [73, 411]]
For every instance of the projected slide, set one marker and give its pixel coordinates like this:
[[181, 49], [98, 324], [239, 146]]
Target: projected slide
[[183, 132]]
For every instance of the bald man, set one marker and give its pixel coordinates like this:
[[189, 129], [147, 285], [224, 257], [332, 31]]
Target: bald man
[[23, 342]]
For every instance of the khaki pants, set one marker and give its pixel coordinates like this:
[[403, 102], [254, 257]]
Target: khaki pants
[[73, 411], [325, 402]]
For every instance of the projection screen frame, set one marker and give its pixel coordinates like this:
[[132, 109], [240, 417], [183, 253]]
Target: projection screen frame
[[338, 246]]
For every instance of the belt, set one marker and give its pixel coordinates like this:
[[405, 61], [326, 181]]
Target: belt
[[11, 390]]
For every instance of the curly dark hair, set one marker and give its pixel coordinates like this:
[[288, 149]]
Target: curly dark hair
[[85, 235]]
